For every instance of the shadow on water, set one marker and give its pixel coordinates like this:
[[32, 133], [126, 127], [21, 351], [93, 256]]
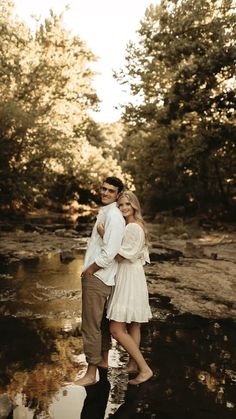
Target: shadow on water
[[193, 358], [194, 363]]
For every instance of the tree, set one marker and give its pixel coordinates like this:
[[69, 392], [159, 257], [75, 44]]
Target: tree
[[107, 136], [182, 69], [46, 95]]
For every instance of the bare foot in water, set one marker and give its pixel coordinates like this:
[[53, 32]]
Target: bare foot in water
[[86, 380], [142, 377], [103, 364]]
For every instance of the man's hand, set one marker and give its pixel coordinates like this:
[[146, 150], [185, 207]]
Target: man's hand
[[119, 258], [90, 270]]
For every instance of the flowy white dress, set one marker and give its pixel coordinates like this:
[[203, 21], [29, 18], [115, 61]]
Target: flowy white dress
[[129, 299]]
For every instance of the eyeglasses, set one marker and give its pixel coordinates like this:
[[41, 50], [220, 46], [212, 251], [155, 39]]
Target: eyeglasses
[[103, 189]]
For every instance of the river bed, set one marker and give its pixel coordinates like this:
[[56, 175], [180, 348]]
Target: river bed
[[193, 357]]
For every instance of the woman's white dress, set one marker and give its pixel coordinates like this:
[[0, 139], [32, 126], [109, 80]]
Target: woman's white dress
[[129, 300]]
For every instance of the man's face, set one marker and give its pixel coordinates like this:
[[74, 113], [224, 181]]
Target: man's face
[[109, 193]]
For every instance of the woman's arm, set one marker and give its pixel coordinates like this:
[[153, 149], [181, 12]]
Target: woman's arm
[[101, 229]]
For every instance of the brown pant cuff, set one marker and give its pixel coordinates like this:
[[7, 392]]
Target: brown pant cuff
[[93, 361]]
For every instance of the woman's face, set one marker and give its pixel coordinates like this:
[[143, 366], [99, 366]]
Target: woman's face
[[125, 207]]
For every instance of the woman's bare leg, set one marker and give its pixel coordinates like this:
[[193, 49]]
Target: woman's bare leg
[[134, 331], [119, 332]]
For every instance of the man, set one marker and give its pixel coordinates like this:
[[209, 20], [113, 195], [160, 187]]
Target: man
[[98, 277]]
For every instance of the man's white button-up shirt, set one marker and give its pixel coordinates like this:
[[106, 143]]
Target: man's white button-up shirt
[[102, 251]]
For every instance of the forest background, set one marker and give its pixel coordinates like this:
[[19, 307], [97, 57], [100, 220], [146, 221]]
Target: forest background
[[176, 140]]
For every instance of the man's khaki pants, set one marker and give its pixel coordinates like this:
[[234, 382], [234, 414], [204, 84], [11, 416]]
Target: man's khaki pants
[[95, 326]]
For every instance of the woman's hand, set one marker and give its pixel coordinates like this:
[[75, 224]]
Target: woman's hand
[[101, 229], [119, 258]]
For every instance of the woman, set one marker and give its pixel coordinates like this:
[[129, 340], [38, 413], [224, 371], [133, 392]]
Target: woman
[[128, 305]]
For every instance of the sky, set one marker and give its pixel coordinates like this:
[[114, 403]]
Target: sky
[[106, 26]]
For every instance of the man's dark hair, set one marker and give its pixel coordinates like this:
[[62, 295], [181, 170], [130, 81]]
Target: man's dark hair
[[115, 181]]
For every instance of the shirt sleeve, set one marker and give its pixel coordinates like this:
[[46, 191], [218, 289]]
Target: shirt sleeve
[[133, 241], [114, 231]]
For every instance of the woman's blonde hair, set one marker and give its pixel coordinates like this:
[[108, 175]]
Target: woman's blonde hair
[[132, 198]]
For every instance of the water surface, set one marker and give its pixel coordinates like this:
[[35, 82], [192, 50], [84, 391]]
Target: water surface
[[193, 358]]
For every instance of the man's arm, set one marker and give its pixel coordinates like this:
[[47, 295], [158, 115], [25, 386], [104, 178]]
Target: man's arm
[[114, 231], [91, 269], [112, 239]]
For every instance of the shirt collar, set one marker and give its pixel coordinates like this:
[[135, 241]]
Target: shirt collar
[[107, 208]]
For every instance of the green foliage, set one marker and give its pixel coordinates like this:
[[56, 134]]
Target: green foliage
[[108, 136], [182, 71], [46, 95]]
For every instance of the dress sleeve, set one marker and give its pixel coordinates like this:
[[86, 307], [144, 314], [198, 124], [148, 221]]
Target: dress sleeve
[[133, 242], [145, 256]]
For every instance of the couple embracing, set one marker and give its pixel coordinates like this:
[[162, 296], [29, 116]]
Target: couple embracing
[[114, 289]]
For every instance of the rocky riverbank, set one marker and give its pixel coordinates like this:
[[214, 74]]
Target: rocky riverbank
[[194, 267]]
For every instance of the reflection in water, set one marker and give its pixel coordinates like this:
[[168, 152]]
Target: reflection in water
[[133, 397], [68, 403], [193, 358], [39, 329], [97, 396], [35, 362]]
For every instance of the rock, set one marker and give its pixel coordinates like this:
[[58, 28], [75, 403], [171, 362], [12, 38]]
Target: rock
[[29, 258], [39, 229], [53, 227], [81, 226], [184, 236], [62, 232], [29, 227], [193, 250], [164, 254], [158, 219], [12, 260], [71, 233], [214, 256], [203, 286], [66, 256]]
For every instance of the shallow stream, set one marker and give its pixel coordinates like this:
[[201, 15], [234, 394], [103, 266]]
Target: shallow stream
[[193, 358]]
